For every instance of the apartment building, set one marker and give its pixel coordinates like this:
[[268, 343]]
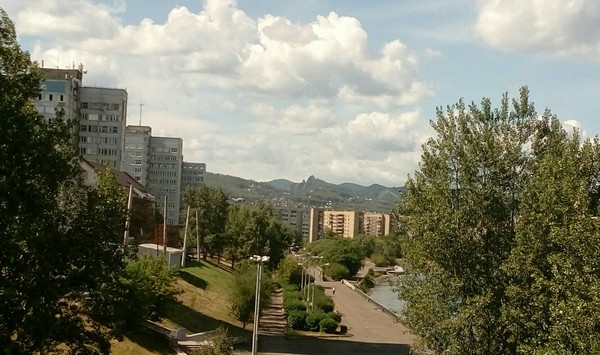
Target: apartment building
[[192, 175], [102, 125], [348, 224], [164, 174], [295, 217], [136, 152]]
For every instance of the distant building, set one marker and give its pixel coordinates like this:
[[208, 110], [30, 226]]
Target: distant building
[[136, 153], [164, 174], [295, 217], [348, 224], [192, 175]]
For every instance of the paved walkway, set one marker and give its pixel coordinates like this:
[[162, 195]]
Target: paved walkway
[[370, 331]]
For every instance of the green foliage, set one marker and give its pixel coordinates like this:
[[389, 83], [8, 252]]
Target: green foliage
[[338, 250], [289, 272], [367, 282], [501, 234], [218, 344], [211, 206], [242, 297], [256, 230], [293, 304], [289, 288], [328, 325], [380, 260], [59, 240], [297, 319], [337, 271], [313, 320], [335, 316]]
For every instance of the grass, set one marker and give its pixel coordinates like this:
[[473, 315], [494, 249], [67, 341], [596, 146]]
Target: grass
[[201, 304]]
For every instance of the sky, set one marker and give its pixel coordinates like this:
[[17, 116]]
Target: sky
[[340, 89]]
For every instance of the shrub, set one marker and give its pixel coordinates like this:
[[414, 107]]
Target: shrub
[[325, 304], [293, 304], [292, 295], [367, 283], [297, 319], [291, 288], [313, 320], [380, 260], [328, 325], [337, 271], [335, 316]]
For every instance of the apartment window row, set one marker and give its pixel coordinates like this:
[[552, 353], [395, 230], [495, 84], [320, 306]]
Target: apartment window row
[[51, 97], [100, 106], [135, 170], [163, 173], [163, 157], [98, 140], [100, 117], [164, 166], [164, 150], [133, 146], [165, 190], [101, 129], [136, 154], [107, 151], [162, 181]]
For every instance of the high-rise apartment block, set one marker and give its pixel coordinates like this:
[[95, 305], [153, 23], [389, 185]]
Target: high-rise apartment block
[[102, 125], [164, 174], [296, 217], [136, 153]]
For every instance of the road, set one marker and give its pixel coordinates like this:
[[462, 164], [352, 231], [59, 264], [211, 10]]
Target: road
[[370, 331]]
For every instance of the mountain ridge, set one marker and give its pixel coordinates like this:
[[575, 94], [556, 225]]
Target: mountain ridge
[[311, 192]]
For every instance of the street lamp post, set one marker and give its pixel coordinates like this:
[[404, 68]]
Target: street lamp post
[[259, 260]]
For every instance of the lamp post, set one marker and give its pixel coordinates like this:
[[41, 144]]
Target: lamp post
[[259, 260]]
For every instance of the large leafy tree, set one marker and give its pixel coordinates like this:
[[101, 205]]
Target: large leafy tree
[[211, 206], [58, 238], [461, 208], [553, 298]]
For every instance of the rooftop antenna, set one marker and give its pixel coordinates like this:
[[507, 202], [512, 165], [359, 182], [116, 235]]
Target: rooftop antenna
[[141, 105]]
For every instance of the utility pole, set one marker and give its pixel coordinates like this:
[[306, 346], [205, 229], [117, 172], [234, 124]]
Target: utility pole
[[141, 105], [185, 233], [165, 232], [128, 220]]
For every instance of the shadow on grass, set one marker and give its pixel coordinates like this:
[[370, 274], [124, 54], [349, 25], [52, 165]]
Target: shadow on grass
[[322, 346], [196, 322], [149, 341], [192, 279]]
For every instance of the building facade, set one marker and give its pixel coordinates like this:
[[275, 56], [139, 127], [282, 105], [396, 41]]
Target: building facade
[[136, 153], [349, 224], [102, 125], [192, 175], [164, 174]]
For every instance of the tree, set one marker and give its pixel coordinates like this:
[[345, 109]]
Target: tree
[[243, 293], [553, 297], [338, 250], [211, 205], [256, 230], [59, 240], [461, 208]]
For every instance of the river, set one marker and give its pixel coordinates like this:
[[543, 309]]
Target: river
[[384, 294]]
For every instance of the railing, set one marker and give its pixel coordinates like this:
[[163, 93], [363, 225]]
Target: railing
[[383, 308]]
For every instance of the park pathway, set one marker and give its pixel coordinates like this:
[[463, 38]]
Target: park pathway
[[370, 331]]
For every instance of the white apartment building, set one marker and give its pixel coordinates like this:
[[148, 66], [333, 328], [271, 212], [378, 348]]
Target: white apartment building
[[136, 154]]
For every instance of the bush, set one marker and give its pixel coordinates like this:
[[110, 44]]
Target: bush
[[291, 288], [313, 321], [328, 325], [297, 319], [335, 316], [292, 295], [380, 260], [367, 283], [293, 304], [337, 271], [325, 304]]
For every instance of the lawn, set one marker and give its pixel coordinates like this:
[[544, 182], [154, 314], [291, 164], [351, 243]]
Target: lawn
[[200, 304]]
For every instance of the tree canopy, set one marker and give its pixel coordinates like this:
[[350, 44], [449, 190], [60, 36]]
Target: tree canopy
[[501, 234]]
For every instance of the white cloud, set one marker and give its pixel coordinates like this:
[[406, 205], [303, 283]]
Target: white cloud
[[564, 27], [258, 97]]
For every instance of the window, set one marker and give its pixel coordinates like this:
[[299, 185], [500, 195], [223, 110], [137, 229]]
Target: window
[[173, 150], [114, 129], [50, 97], [93, 128], [83, 128], [84, 105], [104, 129], [62, 98], [93, 117], [137, 162]]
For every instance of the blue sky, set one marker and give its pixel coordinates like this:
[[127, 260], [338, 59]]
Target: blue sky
[[343, 90]]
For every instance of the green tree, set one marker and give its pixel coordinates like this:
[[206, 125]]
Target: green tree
[[211, 206], [289, 272], [338, 250], [553, 298], [461, 208], [243, 293], [59, 240]]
